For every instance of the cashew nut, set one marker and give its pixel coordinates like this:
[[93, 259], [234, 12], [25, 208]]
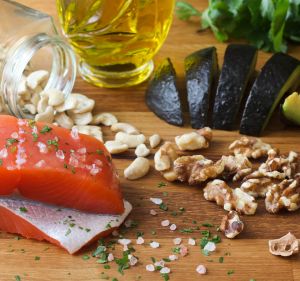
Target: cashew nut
[[64, 120], [35, 98], [30, 108], [56, 97], [42, 104], [125, 127], [36, 78], [22, 89], [81, 118], [69, 104], [191, 141], [83, 105], [137, 169], [47, 116], [131, 140], [116, 147], [142, 150], [94, 131], [154, 140], [105, 118]]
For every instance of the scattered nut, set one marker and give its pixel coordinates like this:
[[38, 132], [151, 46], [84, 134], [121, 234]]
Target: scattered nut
[[35, 98], [142, 150], [231, 225], [30, 108], [137, 169], [47, 116], [164, 160], [116, 147], [285, 195], [107, 119], [197, 169], [285, 246], [69, 104], [194, 140], [230, 199], [131, 140], [83, 104], [94, 131], [124, 127], [56, 97], [154, 140], [64, 120], [42, 104], [81, 118], [36, 78], [257, 187], [250, 147]]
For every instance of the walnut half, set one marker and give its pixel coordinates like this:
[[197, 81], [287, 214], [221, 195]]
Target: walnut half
[[230, 199], [231, 225], [285, 246], [257, 187], [250, 147]]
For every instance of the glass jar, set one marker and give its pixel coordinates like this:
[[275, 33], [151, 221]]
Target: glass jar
[[29, 39]]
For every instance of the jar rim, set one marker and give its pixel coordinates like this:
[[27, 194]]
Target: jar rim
[[62, 74]]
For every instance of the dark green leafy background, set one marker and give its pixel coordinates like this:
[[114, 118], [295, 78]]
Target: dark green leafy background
[[267, 24]]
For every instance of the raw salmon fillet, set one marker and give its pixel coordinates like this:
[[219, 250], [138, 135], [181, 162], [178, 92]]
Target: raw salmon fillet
[[54, 165], [67, 228]]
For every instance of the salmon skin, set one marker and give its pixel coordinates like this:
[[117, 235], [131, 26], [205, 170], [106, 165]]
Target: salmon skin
[[53, 165], [67, 228]]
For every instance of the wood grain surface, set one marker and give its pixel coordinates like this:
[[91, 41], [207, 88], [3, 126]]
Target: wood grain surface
[[247, 256]]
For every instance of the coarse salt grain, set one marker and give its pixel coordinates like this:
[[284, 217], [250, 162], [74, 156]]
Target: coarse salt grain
[[40, 164], [173, 227], [95, 170], [177, 241], [153, 213], [201, 269], [60, 154], [165, 270], [173, 257], [124, 241], [165, 223], [14, 135], [210, 247], [183, 251], [3, 153], [160, 263], [75, 134], [156, 201], [150, 267], [132, 260], [154, 244], [140, 241], [110, 257], [81, 150], [192, 242], [42, 147]]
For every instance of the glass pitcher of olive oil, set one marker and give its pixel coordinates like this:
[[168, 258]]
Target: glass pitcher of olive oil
[[116, 39]]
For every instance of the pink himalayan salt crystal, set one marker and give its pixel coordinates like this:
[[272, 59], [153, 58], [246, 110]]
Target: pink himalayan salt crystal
[[201, 269], [165, 270], [140, 241], [177, 241], [156, 201], [110, 257], [165, 223], [183, 250], [150, 267], [132, 260], [192, 242], [60, 154], [173, 227], [154, 245], [173, 257], [153, 213]]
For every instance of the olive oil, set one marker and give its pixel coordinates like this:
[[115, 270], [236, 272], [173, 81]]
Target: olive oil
[[116, 39]]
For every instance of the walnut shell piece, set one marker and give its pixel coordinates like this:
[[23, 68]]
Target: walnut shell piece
[[231, 225], [285, 246]]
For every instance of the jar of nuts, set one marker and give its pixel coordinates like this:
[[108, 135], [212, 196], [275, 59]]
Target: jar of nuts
[[33, 59]]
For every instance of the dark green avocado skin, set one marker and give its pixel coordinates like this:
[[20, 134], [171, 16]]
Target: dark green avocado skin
[[264, 93], [236, 71], [201, 67], [162, 95]]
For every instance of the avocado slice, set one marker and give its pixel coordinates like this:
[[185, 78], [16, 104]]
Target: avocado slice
[[201, 67], [162, 95], [239, 65], [291, 108], [278, 75]]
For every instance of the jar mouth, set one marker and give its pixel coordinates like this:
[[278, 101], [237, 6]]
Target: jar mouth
[[62, 72]]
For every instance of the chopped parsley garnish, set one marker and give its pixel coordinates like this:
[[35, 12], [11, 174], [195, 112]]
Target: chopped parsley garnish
[[174, 213], [36, 258], [1, 162], [103, 276], [216, 239], [230, 272], [165, 276], [31, 123], [106, 266], [99, 151], [54, 143], [108, 225], [11, 141], [163, 206], [114, 279], [205, 233], [23, 210], [46, 129], [35, 136], [166, 260], [161, 184], [205, 252], [186, 230], [65, 166], [139, 234], [87, 229], [85, 257], [207, 224], [73, 170], [18, 278], [100, 249], [221, 259], [68, 232], [176, 250], [153, 259], [165, 193], [123, 263]]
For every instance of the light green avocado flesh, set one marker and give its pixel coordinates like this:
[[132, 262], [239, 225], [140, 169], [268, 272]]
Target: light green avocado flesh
[[291, 108]]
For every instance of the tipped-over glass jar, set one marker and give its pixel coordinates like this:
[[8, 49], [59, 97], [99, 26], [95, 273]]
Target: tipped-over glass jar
[[29, 41]]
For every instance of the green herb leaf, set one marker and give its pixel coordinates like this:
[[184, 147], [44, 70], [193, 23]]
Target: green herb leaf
[[161, 184], [165, 276], [206, 224], [106, 266], [122, 263], [1, 162], [221, 259], [11, 141], [23, 210], [230, 272], [186, 230], [45, 129], [163, 206], [99, 151], [185, 11], [85, 257], [36, 258], [18, 278]]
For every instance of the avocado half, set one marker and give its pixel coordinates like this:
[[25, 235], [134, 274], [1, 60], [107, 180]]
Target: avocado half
[[162, 95], [291, 108], [279, 74], [201, 68], [239, 65]]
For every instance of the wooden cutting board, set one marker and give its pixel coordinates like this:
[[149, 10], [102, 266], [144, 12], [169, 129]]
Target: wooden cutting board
[[247, 256]]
